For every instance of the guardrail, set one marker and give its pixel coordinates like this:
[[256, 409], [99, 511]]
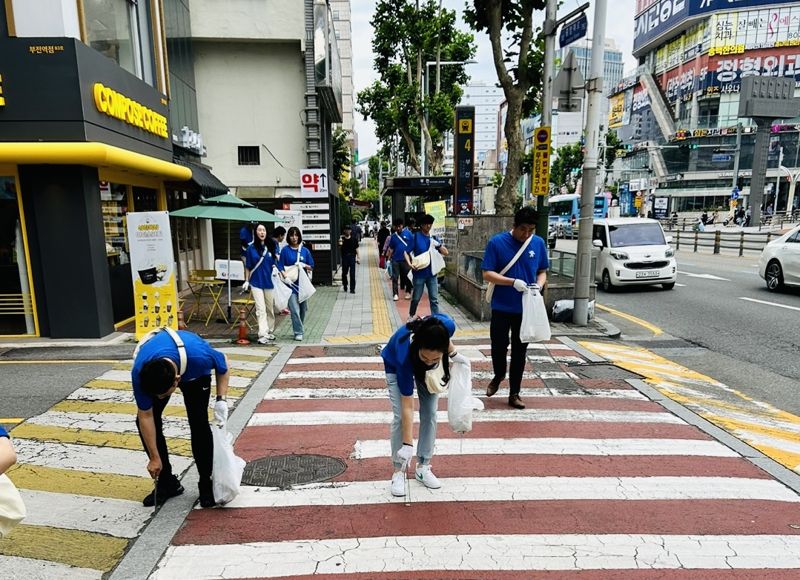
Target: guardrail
[[720, 240]]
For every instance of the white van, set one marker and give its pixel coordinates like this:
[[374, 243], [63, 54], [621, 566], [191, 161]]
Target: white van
[[632, 251]]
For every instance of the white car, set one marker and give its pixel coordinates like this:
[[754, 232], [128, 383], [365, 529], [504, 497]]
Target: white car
[[632, 251], [779, 264]]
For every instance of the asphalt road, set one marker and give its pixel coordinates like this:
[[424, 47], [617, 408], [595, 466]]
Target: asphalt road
[[732, 328]]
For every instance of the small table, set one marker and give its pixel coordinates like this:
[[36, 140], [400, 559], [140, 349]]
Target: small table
[[249, 306], [201, 282]]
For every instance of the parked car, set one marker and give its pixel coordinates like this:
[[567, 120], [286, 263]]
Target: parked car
[[779, 264], [633, 251]]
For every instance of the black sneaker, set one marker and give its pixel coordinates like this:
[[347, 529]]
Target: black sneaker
[[163, 495], [206, 494]]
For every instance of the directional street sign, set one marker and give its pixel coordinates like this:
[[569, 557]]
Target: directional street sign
[[573, 31]]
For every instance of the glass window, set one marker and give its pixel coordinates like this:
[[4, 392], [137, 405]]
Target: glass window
[[114, 204], [16, 303], [647, 234], [112, 29]]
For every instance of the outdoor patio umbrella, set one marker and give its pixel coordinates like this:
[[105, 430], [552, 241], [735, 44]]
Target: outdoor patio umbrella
[[230, 209]]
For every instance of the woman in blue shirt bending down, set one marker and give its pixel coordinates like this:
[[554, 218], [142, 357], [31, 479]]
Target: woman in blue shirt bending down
[[296, 255], [416, 348], [259, 260]]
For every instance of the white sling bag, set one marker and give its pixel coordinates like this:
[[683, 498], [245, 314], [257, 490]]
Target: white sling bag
[[490, 287]]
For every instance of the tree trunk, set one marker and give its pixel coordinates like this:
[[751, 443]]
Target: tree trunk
[[507, 194]]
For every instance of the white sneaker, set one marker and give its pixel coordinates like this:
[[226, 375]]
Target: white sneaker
[[399, 484], [395, 298], [298, 337], [270, 336], [411, 319], [264, 340], [408, 296], [426, 477]]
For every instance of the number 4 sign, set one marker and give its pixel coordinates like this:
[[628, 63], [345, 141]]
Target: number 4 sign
[[313, 183]]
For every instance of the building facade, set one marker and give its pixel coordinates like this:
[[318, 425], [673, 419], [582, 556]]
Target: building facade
[[613, 67], [342, 24], [678, 113], [85, 138]]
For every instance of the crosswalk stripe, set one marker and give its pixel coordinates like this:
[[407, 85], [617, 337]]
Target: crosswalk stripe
[[114, 517], [86, 438], [522, 489], [233, 392], [14, 567], [89, 458], [526, 415], [351, 374], [116, 396], [174, 427], [68, 405], [360, 394], [248, 353], [523, 552], [125, 376], [366, 449], [56, 480], [71, 547]]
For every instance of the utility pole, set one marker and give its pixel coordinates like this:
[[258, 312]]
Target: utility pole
[[736, 155], [583, 267], [550, 27]]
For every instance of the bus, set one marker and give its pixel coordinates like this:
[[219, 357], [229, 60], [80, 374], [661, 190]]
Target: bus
[[564, 207]]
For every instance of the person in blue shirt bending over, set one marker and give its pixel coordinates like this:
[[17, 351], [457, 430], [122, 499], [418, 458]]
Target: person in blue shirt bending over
[[416, 348], [164, 361], [512, 261], [260, 258], [424, 276]]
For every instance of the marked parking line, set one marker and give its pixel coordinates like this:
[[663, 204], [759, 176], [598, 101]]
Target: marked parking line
[[776, 304]]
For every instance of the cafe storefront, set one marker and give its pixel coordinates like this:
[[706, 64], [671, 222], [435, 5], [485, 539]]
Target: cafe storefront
[[83, 142]]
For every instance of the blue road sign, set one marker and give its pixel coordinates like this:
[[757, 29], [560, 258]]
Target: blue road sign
[[735, 193], [573, 31], [720, 158]]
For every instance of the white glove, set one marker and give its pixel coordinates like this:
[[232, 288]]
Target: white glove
[[520, 286], [221, 412], [404, 455], [245, 287], [535, 287]]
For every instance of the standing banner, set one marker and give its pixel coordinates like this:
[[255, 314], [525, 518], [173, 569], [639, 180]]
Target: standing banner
[[438, 209], [155, 293]]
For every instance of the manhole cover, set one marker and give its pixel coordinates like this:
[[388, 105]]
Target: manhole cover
[[368, 350], [287, 470], [602, 372]]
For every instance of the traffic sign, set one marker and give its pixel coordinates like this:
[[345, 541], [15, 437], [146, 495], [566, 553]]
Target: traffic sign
[[735, 193], [573, 31], [540, 169]]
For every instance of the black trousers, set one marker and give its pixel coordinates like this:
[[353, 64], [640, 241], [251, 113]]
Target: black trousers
[[400, 275], [196, 395], [349, 265], [501, 325]]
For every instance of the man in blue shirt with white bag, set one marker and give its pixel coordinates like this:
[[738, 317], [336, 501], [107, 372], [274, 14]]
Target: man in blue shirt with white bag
[[512, 262]]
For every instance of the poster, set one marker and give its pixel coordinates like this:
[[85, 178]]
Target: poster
[[540, 170], [616, 111], [438, 209], [313, 183], [155, 294]]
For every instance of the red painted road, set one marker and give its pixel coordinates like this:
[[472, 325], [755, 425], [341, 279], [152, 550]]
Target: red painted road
[[486, 515]]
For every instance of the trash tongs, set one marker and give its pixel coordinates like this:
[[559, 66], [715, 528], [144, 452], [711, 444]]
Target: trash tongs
[[155, 495]]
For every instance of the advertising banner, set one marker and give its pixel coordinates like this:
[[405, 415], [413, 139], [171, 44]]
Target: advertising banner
[[155, 293], [724, 73], [540, 169], [616, 111], [735, 32], [438, 209]]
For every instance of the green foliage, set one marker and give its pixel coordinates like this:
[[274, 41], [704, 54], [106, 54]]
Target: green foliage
[[341, 155], [374, 165], [497, 179], [613, 143], [405, 38], [568, 157]]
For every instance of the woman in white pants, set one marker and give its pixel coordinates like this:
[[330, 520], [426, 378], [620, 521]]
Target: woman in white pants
[[260, 259]]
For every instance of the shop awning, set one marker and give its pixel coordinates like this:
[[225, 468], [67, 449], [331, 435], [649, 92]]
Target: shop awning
[[209, 184], [93, 155]]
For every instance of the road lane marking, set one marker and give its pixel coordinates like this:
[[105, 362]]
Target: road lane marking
[[37, 477], [372, 448], [57, 362], [11, 420], [476, 375], [461, 489], [174, 427], [476, 553], [297, 393], [776, 304], [630, 318], [526, 415], [703, 276]]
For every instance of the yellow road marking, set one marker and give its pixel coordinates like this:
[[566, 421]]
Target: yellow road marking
[[249, 358], [71, 547], [75, 406], [57, 362], [11, 420], [56, 480], [96, 438], [234, 372], [473, 333], [651, 327], [233, 392]]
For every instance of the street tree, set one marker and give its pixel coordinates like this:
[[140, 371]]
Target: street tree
[[518, 53], [341, 157], [406, 36], [569, 158]]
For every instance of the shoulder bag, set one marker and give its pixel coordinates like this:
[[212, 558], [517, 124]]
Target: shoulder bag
[[12, 508], [178, 342], [490, 287]]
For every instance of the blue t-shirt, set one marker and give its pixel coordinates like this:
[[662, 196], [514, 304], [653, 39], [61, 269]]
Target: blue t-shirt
[[3, 432], [262, 277], [245, 237], [395, 355], [419, 245], [201, 359], [399, 247], [289, 258], [500, 250]]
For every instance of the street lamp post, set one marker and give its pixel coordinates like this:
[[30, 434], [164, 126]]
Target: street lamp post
[[423, 90]]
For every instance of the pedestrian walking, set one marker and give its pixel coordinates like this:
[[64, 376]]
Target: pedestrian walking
[[423, 242], [416, 348], [349, 248], [512, 261], [294, 257], [279, 236], [245, 237], [396, 252], [163, 361], [381, 237], [260, 259]]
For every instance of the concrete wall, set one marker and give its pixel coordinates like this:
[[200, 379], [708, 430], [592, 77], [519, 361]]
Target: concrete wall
[[251, 94], [257, 20]]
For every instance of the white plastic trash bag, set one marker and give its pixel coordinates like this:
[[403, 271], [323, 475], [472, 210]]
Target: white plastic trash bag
[[305, 289], [280, 293], [535, 326], [227, 469], [437, 261], [459, 397]]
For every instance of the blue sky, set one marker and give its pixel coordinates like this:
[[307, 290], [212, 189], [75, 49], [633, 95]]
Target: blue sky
[[619, 27]]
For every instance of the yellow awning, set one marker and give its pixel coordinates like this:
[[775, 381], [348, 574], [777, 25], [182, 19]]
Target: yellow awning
[[91, 154]]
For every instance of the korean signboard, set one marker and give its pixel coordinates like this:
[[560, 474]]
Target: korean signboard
[[155, 294], [464, 161], [437, 209], [735, 32], [724, 73], [540, 170], [616, 111], [313, 183]]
